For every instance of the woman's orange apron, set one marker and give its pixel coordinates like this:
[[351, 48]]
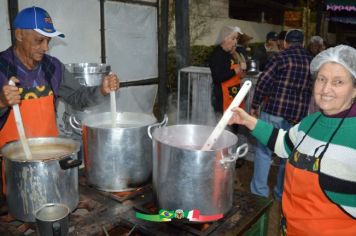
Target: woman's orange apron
[[230, 88], [303, 218], [39, 120]]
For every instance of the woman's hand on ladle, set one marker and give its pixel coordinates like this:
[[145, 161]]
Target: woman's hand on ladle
[[241, 117]]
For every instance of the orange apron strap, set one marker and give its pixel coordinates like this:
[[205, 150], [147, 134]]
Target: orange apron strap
[[230, 88]]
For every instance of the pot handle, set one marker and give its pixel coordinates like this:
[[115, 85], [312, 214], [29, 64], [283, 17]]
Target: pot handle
[[56, 229], [225, 161], [238, 154], [81, 80], [75, 124], [163, 123], [69, 162]]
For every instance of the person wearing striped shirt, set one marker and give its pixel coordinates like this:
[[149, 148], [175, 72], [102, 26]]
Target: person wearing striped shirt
[[319, 195]]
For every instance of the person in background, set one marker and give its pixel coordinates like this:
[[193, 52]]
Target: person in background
[[281, 37], [285, 89], [242, 46], [40, 80], [263, 52], [316, 45], [319, 195], [226, 73]]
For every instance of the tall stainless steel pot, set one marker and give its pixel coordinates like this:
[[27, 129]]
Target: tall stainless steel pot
[[50, 176], [120, 158], [185, 177]]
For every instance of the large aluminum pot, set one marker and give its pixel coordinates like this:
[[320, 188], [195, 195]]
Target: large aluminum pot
[[184, 177], [117, 158], [50, 176], [88, 74]]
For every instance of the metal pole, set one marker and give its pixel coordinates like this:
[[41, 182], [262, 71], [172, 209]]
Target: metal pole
[[163, 58], [319, 12], [13, 8], [102, 31], [182, 46], [182, 33]]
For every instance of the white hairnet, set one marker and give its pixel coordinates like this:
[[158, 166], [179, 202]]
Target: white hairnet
[[342, 54], [226, 31]]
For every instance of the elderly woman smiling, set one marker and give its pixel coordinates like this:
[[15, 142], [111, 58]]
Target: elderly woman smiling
[[319, 195]]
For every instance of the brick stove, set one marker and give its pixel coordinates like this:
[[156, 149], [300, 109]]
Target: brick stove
[[103, 213]]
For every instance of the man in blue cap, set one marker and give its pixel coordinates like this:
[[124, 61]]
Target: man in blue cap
[[286, 83], [40, 79], [263, 52]]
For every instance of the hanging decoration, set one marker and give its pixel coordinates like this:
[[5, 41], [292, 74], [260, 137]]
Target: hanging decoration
[[341, 5]]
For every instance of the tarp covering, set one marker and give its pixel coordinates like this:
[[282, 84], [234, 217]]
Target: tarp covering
[[131, 42], [4, 28], [132, 51]]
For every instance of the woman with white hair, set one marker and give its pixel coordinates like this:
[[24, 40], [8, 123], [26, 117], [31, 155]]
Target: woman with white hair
[[319, 195], [316, 45], [225, 71]]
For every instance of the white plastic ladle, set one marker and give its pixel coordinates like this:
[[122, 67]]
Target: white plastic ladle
[[113, 107], [226, 117], [20, 128]]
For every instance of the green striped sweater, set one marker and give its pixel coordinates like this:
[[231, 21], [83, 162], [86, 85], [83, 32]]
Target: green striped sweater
[[337, 168]]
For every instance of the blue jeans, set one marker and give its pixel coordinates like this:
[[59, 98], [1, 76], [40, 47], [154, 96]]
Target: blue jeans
[[263, 161]]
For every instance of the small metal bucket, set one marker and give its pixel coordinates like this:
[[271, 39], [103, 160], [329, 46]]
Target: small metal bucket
[[53, 220]]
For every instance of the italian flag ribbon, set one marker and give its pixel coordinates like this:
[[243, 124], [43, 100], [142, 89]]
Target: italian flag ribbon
[[165, 216]]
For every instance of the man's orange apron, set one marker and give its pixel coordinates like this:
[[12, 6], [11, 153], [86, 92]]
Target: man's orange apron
[[230, 88], [39, 120], [304, 219]]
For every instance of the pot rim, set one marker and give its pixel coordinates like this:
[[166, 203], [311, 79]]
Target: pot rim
[[233, 139], [135, 120], [84, 68], [14, 145], [67, 212]]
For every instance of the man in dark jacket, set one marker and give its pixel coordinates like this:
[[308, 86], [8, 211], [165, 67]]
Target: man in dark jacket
[[263, 52]]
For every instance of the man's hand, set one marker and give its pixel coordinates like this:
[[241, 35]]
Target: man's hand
[[10, 94], [110, 83]]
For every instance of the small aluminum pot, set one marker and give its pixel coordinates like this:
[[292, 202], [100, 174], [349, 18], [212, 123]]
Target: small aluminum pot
[[184, 177], [51, 176]]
